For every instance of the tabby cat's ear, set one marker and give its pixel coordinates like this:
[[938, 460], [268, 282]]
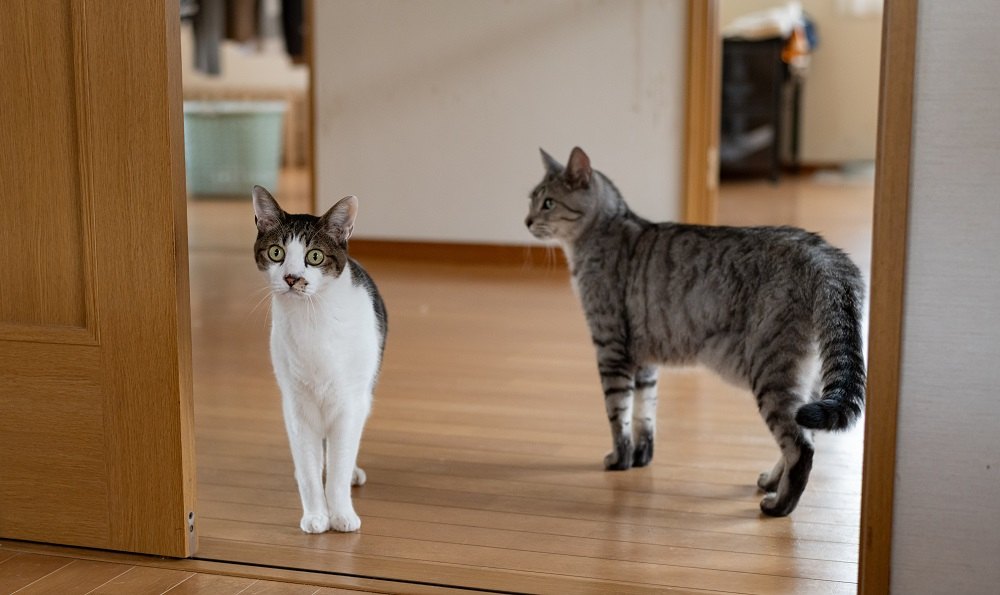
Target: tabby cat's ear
[[551, 165], [339, 220], [265, 209], [578, 171]]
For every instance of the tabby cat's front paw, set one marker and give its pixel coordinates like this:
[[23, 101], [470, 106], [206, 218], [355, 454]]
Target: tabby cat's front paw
[[345, 522], [315, 523]]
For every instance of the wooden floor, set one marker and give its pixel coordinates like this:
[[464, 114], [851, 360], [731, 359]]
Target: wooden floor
[[484, 449], [27, 573]]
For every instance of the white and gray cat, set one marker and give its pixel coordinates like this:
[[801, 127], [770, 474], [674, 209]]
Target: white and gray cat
[[774, 308], [327, 338]]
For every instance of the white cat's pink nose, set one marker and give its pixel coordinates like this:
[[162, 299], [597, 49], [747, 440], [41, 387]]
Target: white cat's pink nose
[[292, 280]]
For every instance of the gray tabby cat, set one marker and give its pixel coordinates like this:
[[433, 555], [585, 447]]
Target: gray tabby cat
[[773, 308]]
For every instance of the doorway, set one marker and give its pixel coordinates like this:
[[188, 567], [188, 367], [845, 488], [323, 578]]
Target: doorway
[[467, 491]]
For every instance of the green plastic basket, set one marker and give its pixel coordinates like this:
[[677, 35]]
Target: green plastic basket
[[231, 145]]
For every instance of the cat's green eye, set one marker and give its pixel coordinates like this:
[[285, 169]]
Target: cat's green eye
[[315, 257], [276, 253], [547, 204]]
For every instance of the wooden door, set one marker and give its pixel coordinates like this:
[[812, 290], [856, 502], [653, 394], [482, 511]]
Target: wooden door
[[95, 383]]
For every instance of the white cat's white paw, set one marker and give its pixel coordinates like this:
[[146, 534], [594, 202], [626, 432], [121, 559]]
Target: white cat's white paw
[[358, 478], [315, 523], [345, 523]]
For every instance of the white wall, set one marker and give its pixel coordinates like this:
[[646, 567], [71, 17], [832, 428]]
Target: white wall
[[840, 99], [432, 112], [946, 528]]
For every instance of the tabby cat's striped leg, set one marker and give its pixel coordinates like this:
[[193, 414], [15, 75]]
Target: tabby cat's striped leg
[[618, 392], [644, 415], [777, 407]]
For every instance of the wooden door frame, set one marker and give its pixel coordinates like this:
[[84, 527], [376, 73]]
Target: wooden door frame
[[892, 194], [703, 76], [892, 179]]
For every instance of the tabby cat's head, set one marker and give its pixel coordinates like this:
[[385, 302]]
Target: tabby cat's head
[[299, 254], [569, 198]]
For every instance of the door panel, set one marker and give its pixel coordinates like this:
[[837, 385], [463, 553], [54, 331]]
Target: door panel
[[52, 445], [48, 288], [95, 385]]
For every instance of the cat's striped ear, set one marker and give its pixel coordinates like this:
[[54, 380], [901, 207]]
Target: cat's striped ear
[[339, 220], [265, 209], [578, 170], [551, 165]]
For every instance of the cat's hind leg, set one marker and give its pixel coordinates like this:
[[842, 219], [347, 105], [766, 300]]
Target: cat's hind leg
[[644, 415], [777, 407]]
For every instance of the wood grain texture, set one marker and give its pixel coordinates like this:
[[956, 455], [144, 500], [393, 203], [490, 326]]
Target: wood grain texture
[[17, 572], [77, 577], [483, 452], [138, 152], [701, 122], [96, 399], [140, 579], [892, 190], [39, 156], [51, 444], [182, 289], [260, 579]]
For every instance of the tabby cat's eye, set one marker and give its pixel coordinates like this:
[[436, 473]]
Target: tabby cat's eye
[[276, 253], [547, 204], [315, 257]]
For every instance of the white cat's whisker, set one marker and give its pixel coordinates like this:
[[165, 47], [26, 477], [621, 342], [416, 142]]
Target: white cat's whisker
[[266, 297]]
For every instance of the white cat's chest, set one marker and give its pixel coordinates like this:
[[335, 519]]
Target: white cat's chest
[[328, 345]]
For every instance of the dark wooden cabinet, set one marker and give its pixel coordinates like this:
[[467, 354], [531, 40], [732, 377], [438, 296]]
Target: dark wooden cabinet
[[759, 109]]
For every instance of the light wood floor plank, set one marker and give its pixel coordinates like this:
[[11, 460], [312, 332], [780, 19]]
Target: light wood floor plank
[[268, 576], [638, 503], [446, 575], [679, 482], [543, 540], [78, 577], [209, 583], [272, 588], [710, 525], [531, 525], [390, 552], [141, 580], [21, 570]]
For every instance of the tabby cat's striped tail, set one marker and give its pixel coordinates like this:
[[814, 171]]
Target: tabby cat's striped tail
[[838, 322]]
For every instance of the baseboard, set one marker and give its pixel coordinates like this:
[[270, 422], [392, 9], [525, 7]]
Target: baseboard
[[460, 253]]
